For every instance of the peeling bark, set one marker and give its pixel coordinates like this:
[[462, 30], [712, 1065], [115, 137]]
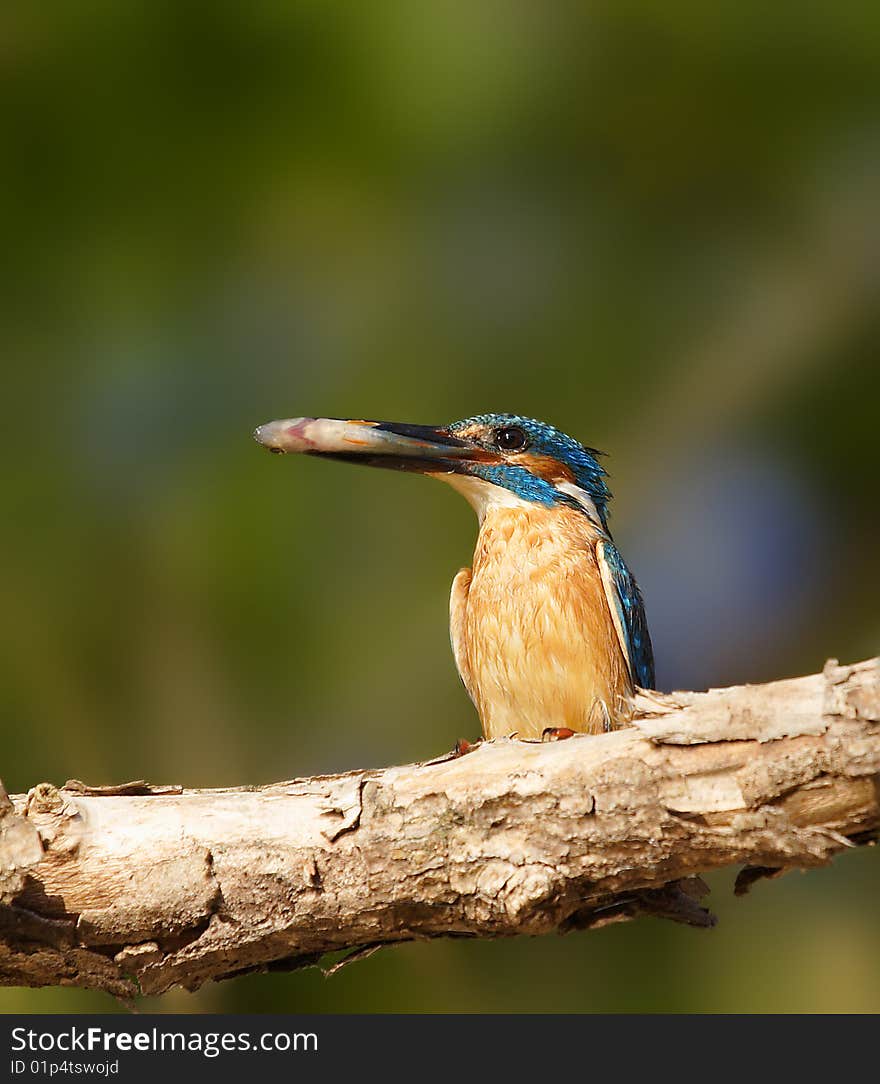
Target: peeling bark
[[135, 889]]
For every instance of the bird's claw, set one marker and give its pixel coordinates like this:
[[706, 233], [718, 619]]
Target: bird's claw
[[463, 746]]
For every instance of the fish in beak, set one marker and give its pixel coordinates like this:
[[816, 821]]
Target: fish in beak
[[423, 449]]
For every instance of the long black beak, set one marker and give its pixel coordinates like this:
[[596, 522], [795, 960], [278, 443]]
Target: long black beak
[[396, 445]]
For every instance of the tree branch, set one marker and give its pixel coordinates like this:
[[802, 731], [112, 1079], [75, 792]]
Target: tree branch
[[135, 889]]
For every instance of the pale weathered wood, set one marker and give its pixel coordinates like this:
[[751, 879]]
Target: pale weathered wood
[[136, 889]]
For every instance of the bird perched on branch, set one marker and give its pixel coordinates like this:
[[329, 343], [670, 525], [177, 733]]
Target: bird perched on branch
[[548, 627]]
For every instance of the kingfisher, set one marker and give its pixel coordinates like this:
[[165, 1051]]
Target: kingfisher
[[548, 626]]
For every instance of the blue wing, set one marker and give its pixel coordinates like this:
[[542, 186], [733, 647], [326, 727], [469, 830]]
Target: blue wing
[[628, 612]]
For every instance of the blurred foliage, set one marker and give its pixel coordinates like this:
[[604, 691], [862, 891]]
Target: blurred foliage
[[653, 226]]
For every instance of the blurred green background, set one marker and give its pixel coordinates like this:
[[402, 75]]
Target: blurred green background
[[656, 227]]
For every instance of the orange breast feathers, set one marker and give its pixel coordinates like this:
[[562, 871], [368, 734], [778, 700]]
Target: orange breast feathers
[[531, 628]]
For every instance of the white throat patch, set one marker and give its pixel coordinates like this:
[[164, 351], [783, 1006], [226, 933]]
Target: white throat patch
[[482, 495]]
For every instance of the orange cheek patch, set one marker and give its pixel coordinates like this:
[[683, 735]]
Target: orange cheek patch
[[543, 466]]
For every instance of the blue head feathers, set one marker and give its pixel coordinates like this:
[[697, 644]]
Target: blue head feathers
[[540, 462]]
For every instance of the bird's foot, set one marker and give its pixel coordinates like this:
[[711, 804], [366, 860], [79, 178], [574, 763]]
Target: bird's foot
[[556, 733], [463, 746]]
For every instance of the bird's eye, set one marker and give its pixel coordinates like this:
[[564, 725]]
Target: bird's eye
[[510, 438]]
